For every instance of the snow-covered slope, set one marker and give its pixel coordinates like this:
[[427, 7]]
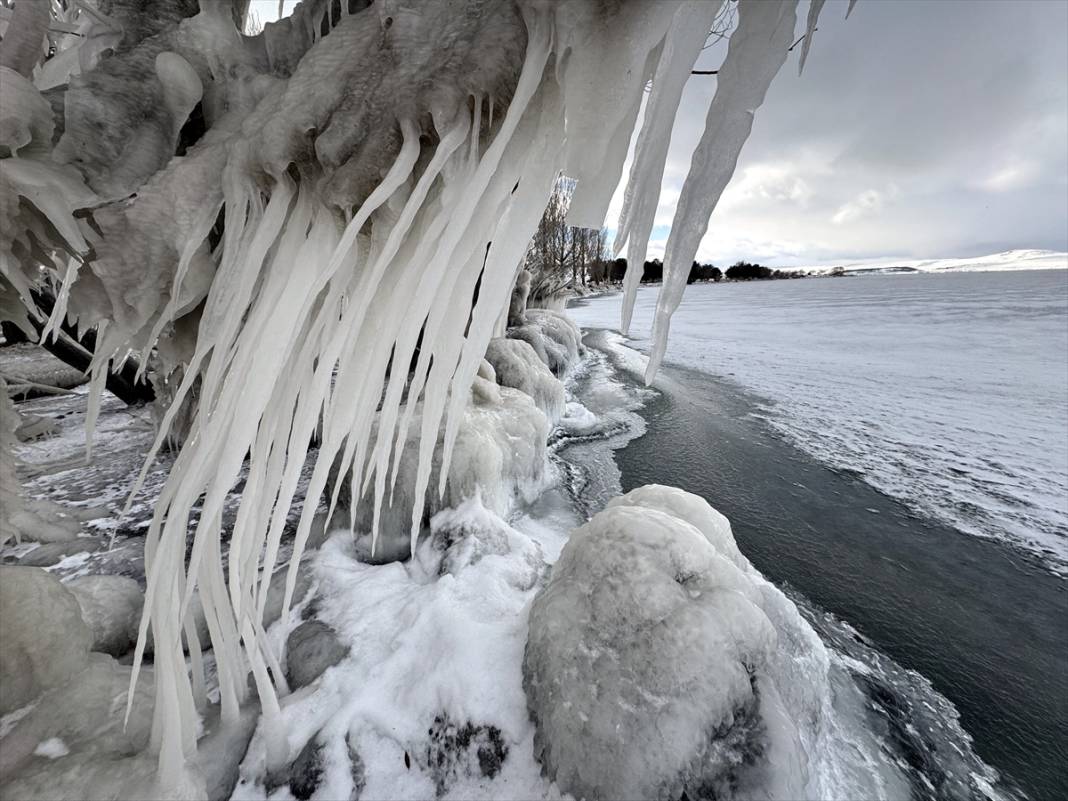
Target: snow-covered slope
[[1008, 260]]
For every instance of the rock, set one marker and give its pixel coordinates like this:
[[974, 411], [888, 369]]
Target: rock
[[306, 772], [646, 655], [470, 533], [111, 607], [312, 647], [500, 451], [467, 750], [51, 553], [517, 304], [85, 712], [223, 747], [44, 639]]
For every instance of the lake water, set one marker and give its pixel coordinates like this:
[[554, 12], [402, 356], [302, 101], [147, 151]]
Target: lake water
[[947, 392]]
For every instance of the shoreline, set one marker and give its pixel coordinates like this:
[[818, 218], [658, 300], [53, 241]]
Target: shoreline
[[931, 597]]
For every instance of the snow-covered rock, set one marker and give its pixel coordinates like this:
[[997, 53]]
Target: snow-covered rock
[[102, 756], [556, 340], [311, 648], [111, 607], [23, 517], [43, 639], [500, 452], [516, 364], [86, 713], [51, 553], [650, 666]]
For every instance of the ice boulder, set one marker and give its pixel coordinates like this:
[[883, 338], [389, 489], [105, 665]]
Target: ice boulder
[[554, 337], [500, 452], [516, 365], [645, 655], [44, 639], [111, 607]]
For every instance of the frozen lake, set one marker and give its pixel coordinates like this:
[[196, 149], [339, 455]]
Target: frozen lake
[[947, 392]]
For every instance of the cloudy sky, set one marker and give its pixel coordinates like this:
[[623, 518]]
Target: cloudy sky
[[920, 128]]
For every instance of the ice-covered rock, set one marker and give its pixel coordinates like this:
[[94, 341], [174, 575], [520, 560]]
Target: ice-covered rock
[[647, 661], [311, 648], [556, 340], [516, 364], [51, 553], [86, 713], [43, 639], [23, 517], [500, 452], [517, 304], [466, 750], [470, 533], [111, 607]]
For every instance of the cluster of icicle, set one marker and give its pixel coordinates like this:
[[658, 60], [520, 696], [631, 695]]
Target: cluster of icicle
[[311, 323]]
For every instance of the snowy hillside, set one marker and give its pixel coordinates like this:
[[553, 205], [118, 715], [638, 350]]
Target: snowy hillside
[[1009, 260]]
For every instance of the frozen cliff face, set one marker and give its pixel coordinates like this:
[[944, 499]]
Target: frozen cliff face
[[659, 662]]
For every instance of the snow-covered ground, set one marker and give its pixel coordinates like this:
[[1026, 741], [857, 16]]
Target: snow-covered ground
[[948, 392]]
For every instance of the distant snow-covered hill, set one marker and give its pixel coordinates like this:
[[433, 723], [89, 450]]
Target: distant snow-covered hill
[[1009, 260]]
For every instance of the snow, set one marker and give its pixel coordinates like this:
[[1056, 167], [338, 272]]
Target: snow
[[52, 748], [947, 392], [996, 262]]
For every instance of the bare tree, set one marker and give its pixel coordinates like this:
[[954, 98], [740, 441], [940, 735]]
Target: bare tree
[[560, 256]]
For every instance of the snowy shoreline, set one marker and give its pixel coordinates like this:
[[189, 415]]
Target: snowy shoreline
[[428, 699]]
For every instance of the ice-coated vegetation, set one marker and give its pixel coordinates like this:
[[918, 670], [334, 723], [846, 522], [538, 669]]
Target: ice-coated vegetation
[[311, 235]]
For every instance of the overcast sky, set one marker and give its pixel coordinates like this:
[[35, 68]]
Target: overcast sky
[[920, 128]]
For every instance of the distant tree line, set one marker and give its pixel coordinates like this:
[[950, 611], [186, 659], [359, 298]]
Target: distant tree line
[[561, 257], [612, 272]]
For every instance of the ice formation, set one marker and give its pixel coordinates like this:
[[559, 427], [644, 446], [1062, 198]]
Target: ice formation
[[660, 662], [330, 296]]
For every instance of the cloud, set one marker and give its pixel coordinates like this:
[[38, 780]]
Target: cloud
[[920, 129], [866, 204]]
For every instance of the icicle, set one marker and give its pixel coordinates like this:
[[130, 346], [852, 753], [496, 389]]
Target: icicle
[[59, 310], [850, 9], [810, 29], [682, 45], [98, 377], [756, 53]]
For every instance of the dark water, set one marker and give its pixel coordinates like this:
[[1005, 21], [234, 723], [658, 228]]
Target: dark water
[[986, 625]]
